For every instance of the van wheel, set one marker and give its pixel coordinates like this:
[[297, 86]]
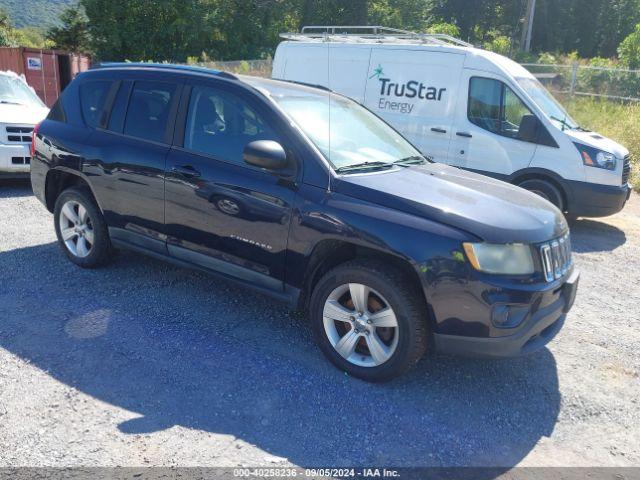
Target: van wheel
[[545, 190], [81, 230], [368, 320]]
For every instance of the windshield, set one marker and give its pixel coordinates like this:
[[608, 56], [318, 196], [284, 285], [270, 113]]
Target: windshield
[[347, 134], [547, 103], [14, 91]]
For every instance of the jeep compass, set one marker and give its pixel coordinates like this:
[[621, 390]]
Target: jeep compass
[[304, 195]]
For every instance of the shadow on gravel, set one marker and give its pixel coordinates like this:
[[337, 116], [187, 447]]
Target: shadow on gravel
[[175, 347], [15, 188], [595, 236]]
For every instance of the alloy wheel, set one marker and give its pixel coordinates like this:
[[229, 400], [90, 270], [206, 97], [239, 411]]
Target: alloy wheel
[[76, 229], [360, 325]]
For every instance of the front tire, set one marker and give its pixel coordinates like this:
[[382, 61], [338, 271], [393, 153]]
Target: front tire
[[546, 190], [81, 229], [368, 320]]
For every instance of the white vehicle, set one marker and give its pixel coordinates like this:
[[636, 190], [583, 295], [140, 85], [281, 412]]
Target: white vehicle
[[466, 107], [20, 111]]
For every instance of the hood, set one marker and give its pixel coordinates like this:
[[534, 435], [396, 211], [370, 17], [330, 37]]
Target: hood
[[22, 114], [593, 139], [495, 211]]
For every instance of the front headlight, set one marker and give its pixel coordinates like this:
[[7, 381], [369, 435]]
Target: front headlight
[[511, 259], [592, 157]]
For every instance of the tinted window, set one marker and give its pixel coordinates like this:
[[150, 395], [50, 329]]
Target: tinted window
[[118, 111], [495, 107], [149, 109], [92, 99], [221, 124], [57, 112]]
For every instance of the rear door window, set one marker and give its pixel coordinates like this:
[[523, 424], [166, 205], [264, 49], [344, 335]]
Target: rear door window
[[93, 96], [149, 110], [119, 109]]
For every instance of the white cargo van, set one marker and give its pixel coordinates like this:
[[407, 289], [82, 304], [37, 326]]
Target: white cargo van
[[466, 107]]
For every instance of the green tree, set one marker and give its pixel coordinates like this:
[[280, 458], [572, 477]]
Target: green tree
[[31, 37], [6, 30], [444, 28], [629, 50], [73, 34], [148, 30]]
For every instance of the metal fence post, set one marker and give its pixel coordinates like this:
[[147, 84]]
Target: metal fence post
[[574, 78]]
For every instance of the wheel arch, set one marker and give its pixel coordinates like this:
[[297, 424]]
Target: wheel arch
[[330, 253], [542, 174], [58, 180]]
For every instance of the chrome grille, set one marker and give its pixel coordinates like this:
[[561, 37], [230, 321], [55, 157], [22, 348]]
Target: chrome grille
[[626, 170], [556, 257]]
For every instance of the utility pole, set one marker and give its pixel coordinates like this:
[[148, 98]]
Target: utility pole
[[527, 28]]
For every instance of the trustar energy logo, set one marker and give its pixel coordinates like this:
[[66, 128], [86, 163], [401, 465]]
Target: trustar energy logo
[[393, 93]]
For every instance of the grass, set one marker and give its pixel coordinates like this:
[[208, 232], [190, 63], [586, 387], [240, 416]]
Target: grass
[[618, 121]]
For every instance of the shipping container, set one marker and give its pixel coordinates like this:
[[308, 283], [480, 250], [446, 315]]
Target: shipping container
[[47, 71]]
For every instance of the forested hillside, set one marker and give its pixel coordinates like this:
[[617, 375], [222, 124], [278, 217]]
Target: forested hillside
[[34, 13]]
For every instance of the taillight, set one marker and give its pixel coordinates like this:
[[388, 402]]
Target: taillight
[[33, 139]]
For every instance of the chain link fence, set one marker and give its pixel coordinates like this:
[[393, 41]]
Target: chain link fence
[[610, 83], [258, 68]]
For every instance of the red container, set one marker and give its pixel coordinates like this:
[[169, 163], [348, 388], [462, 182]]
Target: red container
[[47, 71]]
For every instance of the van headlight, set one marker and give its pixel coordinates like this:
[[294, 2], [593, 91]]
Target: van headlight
[[592, 157], [507, 259]]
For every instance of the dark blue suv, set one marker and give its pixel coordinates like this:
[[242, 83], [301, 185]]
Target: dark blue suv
[[307, 196]]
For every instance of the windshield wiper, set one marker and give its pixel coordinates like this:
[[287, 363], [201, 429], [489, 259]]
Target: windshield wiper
[[564, 123], [8, 102], [413, 160], [363, 166]]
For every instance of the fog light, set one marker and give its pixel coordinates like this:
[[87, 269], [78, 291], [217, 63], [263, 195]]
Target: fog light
[[508, 315]]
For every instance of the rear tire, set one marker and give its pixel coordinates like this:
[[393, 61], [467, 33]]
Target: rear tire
[[388, 338], [546, 190], [81, 229]]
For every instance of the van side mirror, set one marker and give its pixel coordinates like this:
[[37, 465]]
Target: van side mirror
[[265, 154], [529, 129]]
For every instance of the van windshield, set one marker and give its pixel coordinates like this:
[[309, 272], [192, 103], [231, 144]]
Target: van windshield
[[547, 103], [14, 91], [347, 134]]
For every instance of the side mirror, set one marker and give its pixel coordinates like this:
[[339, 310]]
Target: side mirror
[[529, 129], [265, 154]]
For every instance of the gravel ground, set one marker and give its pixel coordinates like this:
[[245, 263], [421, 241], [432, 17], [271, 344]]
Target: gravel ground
[[142, 363]]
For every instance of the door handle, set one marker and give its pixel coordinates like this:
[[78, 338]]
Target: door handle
[[464, 134], [438, 130], [186, 170]]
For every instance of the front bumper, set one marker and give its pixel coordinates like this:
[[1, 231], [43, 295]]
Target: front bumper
[[534, 333], [595, 200], [14, 160]]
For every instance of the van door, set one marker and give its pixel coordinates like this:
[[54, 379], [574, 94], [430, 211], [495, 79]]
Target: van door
[[488, 118], [416, 91]]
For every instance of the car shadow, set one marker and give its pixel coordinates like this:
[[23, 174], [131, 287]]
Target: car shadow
[[175, 347], [15, 188], [588, 235]]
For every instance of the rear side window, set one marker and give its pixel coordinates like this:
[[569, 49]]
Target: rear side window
[[57, 112], [221, 124], [92, 99], [149, 110], [493, 106]]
